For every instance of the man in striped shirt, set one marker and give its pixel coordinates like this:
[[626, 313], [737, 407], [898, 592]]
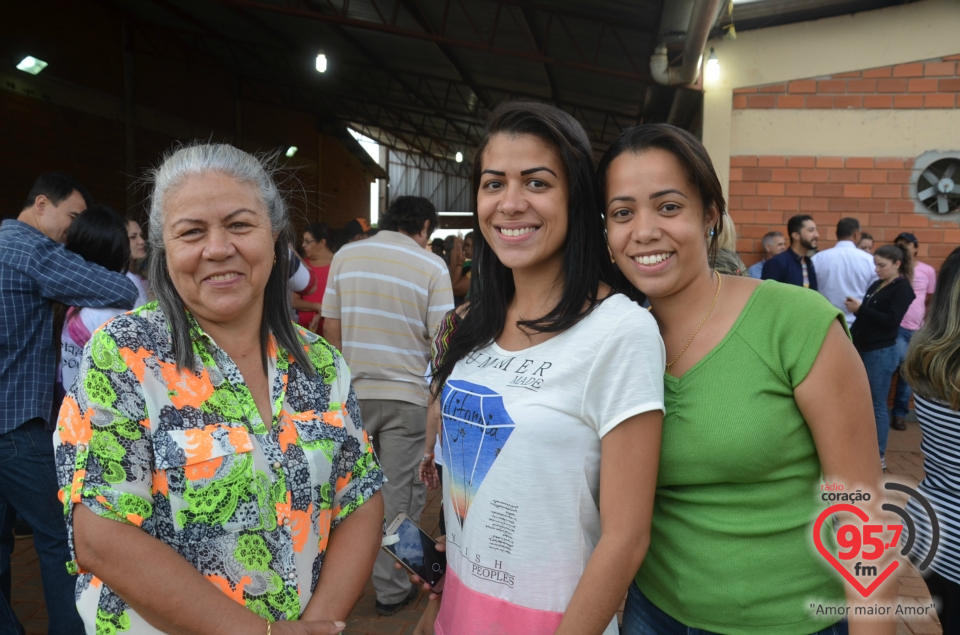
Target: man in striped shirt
[[385, 298]]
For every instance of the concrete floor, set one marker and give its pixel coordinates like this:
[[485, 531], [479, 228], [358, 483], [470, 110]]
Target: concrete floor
[[903, 460]]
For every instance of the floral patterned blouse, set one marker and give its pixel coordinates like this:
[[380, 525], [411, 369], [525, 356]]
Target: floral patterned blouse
[[186, 457]]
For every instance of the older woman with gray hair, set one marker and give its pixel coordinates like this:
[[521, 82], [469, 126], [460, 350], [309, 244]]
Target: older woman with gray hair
[[214, 470]]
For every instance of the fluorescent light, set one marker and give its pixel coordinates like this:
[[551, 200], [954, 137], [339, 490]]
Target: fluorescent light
[[459, 157], [712, 71], [292, 150], [31, 65], [321, 63]]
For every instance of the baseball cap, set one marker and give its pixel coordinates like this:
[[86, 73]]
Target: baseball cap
[[355, 227], [907, 236]]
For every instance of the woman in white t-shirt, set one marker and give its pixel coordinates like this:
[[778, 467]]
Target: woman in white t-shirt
[[551, 392], [100, 236]]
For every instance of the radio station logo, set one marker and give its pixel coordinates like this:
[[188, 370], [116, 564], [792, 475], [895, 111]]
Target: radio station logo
[[865, 544]]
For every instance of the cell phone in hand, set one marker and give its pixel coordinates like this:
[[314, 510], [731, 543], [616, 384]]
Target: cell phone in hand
[[416, 551]]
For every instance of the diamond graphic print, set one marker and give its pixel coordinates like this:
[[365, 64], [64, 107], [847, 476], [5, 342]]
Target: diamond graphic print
[[476, 426]]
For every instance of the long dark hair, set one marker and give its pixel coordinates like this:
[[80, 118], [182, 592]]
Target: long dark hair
[[586, 261], [98, 235], [688, 151]]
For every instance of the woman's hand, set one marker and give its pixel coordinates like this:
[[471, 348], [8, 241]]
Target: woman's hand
[[441, 546], [428, 472], [315, 322], [305, 627], [852, 305]]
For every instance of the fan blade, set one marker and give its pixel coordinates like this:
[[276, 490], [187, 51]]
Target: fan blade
[[956, 189], [930, 176], [943, 206], [950, 170], [927, 193]]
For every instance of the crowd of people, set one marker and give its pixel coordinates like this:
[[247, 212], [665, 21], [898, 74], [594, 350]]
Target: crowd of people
[[210, 428]]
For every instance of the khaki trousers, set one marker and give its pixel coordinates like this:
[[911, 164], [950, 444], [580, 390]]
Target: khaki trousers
[[397, 430]]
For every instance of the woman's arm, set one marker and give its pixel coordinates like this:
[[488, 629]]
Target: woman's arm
[[629, 460], [348, 563], [162, 587], [835, 401], [303, 305], [428, 468]]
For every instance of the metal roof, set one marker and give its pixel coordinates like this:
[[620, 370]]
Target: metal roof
[[418, 75]]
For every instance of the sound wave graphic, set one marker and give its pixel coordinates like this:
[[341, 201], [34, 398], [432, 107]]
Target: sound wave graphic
[[908, 522]]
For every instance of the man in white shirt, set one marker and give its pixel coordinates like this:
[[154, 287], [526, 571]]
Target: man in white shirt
[[845, 271]]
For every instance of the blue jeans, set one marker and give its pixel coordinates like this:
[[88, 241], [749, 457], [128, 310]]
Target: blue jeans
[[28, 488], [642, 617], [881, 364], [901, 400]]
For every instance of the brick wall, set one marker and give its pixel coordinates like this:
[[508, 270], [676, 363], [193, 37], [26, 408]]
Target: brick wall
[[929, 84], [767, 190]]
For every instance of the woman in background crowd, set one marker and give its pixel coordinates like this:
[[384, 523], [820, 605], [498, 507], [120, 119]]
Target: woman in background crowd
[[138, 261], [757, 409], [877, 327], [550, 390], [866, 242], [318, 248], [99, 235], [933, 369], [215, 473]]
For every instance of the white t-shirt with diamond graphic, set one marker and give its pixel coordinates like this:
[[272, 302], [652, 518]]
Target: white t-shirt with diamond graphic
[[521, 461]]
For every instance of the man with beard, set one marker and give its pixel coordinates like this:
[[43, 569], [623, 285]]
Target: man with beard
[[794, 266]]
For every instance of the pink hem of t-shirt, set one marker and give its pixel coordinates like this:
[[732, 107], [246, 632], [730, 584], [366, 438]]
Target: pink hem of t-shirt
[[468, 612]]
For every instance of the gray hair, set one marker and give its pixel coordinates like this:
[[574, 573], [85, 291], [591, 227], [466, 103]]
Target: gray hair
[[768, 238], [203, 158]]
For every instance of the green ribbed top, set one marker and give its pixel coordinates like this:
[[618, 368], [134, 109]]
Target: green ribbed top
[[731, 548]]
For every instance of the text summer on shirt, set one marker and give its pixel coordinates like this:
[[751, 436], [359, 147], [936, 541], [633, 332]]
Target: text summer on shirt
[[521, 453]]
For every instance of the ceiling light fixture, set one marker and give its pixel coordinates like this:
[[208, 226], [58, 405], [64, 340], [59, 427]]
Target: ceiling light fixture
[[31, 65], [712, 72], [321, 63], [292, 150], [459, 157]]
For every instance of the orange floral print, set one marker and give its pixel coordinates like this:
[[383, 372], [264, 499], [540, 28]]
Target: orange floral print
[[287, 435], [300, 527], [135, 361], [224, 585], [185, 388], [160, 485], [334, 418], [74, 427], [324, 528], [203, 469]]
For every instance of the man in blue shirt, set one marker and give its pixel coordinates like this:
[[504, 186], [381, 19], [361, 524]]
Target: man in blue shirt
[[793, 266], [773, 244], [36, 270]]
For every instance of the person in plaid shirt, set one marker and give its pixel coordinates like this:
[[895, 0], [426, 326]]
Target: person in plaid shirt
[[36, 270]]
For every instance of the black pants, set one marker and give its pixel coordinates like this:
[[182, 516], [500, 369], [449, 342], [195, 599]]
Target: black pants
[[947, 596]]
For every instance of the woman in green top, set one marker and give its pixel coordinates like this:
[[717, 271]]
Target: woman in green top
[[764, 394]]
